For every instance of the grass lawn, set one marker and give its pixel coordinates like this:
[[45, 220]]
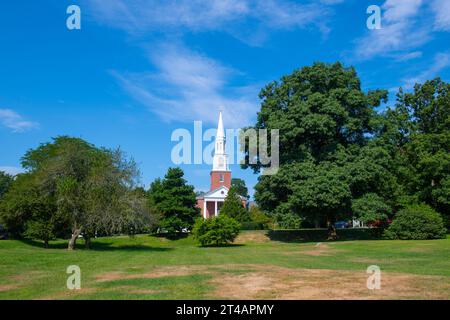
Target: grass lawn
[[146, 267]]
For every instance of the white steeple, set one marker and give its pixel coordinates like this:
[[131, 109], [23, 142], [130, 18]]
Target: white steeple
[[220, 162]]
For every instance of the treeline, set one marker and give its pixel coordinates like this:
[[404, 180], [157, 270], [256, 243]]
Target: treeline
[[72, 188], [340, 158], [343, 157]]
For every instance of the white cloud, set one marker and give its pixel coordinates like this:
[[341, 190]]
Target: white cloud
[[12, 120], [400, 30], [400, 10], [408, 56], [140, 16], [441, 9], [188, 86], [406, 25], [12, 170], [441, 62]]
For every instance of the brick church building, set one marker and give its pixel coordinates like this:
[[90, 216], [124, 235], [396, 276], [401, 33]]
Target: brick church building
[[210, 202]]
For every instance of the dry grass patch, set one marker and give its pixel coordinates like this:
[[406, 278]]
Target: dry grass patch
[[163, 271], [319, 249], [8, 287], [252, 281], [259, 237], [418, 249], [272, 282], [68, 294]]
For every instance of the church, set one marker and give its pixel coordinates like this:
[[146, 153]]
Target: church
[[210, 202]]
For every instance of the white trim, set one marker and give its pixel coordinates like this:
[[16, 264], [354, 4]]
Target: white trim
[[204, 209], [215, 208]]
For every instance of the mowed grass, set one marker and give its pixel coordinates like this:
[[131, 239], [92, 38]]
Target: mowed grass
[[146, 267]]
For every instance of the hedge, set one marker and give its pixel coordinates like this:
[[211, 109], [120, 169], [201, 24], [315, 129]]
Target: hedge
[[313, 235]]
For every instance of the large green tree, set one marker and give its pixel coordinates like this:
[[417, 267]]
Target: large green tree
[[73, 184], [5, 182], [25, 207], [240, 187], [325, 122], [175, 200], [416, 133]]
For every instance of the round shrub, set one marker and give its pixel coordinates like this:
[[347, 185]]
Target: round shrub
[[416, 222], [216, 231]]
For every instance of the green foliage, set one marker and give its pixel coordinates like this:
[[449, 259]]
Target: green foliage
[[42, 229], [175, 200], [73, 185], [240, 187], [251, 225], [216, 231], [285, 218], [418, 131], [370, 207], [5, 182], [259, 218], [288, 221], [233, 208], [324, 120], [336, 150], [416, 222], [24, 205]]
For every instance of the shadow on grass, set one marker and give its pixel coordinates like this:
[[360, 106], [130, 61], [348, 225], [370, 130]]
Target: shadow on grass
[[228, 245], [321, 235], [171, 236], [106, 246], [40, 244], [96, 246]]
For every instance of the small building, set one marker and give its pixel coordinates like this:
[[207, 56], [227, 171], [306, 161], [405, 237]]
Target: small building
[[211, 202]]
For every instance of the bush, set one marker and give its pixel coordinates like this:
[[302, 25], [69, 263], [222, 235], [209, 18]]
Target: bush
[[288, 221], [216, 231], [259, 220], [416, 222], [252, 225]]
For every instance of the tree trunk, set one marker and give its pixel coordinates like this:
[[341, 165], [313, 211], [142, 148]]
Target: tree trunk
[[46, 244], [73, 240], [332, 235], [87, 241]]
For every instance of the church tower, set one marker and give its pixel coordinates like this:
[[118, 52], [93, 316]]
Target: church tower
[[220, 174], [210, 202]]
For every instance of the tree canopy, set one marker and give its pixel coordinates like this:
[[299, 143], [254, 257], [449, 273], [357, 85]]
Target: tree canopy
[[71, 184], [175, 200], [337, 151], [240, 187], [5, 182]]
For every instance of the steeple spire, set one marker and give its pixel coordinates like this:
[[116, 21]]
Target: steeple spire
[[220, 161], [220, 131]]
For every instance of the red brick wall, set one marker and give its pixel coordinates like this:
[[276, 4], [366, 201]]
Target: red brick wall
[[200, 205], [215, 179]]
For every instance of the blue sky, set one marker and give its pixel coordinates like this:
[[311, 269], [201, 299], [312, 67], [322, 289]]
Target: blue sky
[[137, 70]]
